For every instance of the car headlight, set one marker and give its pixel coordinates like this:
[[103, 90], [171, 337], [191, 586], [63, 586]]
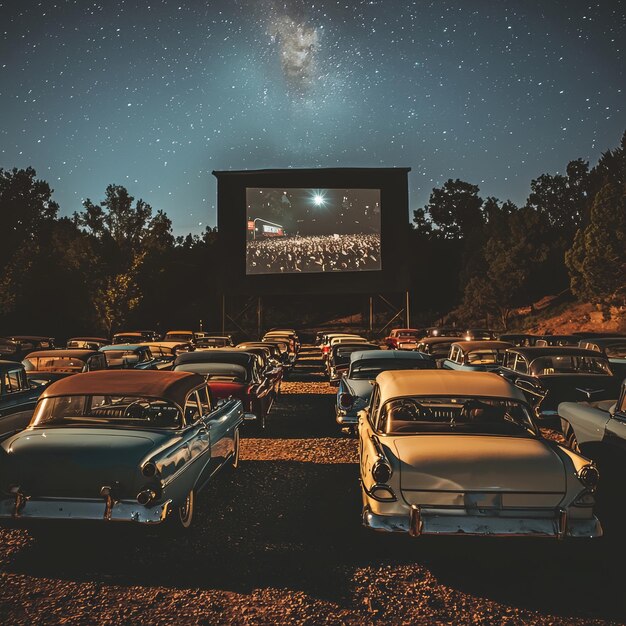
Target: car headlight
[[589, 476], [346, 400]]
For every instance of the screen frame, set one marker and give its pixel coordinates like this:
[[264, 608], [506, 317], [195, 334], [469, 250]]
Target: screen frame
[[394, 228]]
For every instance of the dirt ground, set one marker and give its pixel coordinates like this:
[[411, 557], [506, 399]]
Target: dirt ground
[[279, 541]]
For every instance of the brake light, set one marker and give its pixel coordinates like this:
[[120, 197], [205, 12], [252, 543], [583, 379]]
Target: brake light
[[346, 400]]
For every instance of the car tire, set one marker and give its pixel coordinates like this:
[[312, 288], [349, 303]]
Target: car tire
[[572, 442], [181, 518]]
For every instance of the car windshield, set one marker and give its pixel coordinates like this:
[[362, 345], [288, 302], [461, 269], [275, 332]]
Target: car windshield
[[484, 416], [485, 357], [98, 410], [178, 337], [54, 364], [616, 350], [569, 364], [127, 338], [368, 369], [217, 371], [116, 357], [439, 348]]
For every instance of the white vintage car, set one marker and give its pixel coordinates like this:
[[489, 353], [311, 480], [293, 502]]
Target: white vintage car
[[450, 452]]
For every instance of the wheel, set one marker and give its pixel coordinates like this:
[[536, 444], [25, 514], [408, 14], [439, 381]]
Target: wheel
[[234, 460], [181, 517], [572, 442]]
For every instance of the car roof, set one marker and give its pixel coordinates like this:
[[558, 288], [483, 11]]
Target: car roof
[[401, 383], [122, 346], [603, 342], [179, 332], [32, 337], [132, 333], [407, 355], [166, 344], [87, 339], [238, 357], [172, 386], [5, 366], [533, 352], [74, 353], [468, 346], [440, 338]]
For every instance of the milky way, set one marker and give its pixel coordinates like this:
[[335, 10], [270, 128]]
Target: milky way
[[155, 94]]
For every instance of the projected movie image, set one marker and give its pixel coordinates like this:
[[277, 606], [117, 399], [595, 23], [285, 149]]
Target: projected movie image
[[312, 230]]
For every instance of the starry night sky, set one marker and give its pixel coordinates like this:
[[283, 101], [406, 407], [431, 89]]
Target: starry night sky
[[155, 94]]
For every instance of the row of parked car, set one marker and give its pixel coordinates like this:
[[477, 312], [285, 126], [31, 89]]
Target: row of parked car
[[121, 434], [453, 445]]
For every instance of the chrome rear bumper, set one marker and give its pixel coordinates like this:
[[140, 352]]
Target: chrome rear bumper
[[423, 521], [82, 510]]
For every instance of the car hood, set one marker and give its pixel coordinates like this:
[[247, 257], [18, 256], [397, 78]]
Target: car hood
[[76, 462], [359, 388], [445, 468]]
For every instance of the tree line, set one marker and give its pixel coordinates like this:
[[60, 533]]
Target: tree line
[[116, 264], [493, 257]]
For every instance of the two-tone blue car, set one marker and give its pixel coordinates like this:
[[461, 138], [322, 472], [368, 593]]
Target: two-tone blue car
[[355, 386], [18, 397], [119, 446], [133, 356], [476, 356]]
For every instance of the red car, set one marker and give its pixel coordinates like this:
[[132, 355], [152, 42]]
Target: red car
[[402, 336], [232, 373]]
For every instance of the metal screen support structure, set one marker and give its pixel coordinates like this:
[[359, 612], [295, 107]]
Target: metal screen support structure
[[402, 312], [236, 318]]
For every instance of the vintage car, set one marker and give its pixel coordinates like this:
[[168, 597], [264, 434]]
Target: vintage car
[[10, 350], [597, 429], [355, 387], [168, 349], [613, 348], [478, 334], [326, 341], [477, 356], [28, 343], [46, 366], [438, 347], [270, 367], [232, 373], [213, 341], [87, 343], [287, 358], [549, 376], [118, 446], [284, 335], [458, 453], [181, 336], [518, 339], [134, 356], [402, 335], [18, 397], [127, 338], [442, 331], [545, 341], [338, 361]]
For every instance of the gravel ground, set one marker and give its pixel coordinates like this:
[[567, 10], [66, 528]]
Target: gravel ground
[[279, 541]]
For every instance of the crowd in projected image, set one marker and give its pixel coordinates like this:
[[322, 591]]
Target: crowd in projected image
[[312, 230]]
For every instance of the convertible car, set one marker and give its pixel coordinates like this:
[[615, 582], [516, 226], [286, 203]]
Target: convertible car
[[355, 386], [232, 373], [458, 453], [117, 446]]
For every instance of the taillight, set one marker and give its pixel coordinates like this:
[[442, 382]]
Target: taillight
[[381, 471], [346, 400]]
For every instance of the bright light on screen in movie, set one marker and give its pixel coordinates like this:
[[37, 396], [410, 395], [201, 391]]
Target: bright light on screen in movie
[[292, 231]]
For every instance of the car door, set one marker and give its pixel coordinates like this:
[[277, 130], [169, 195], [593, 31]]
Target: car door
[[17, 401], [615, 433], [220, 423]]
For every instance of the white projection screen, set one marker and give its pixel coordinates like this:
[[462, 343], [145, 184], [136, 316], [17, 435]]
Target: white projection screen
[[292, 231]]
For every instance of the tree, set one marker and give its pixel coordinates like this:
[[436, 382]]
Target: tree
[[597, 258], [454, 210]]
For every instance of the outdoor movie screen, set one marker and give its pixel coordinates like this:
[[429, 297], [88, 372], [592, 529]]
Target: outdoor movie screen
[[312, 230]]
